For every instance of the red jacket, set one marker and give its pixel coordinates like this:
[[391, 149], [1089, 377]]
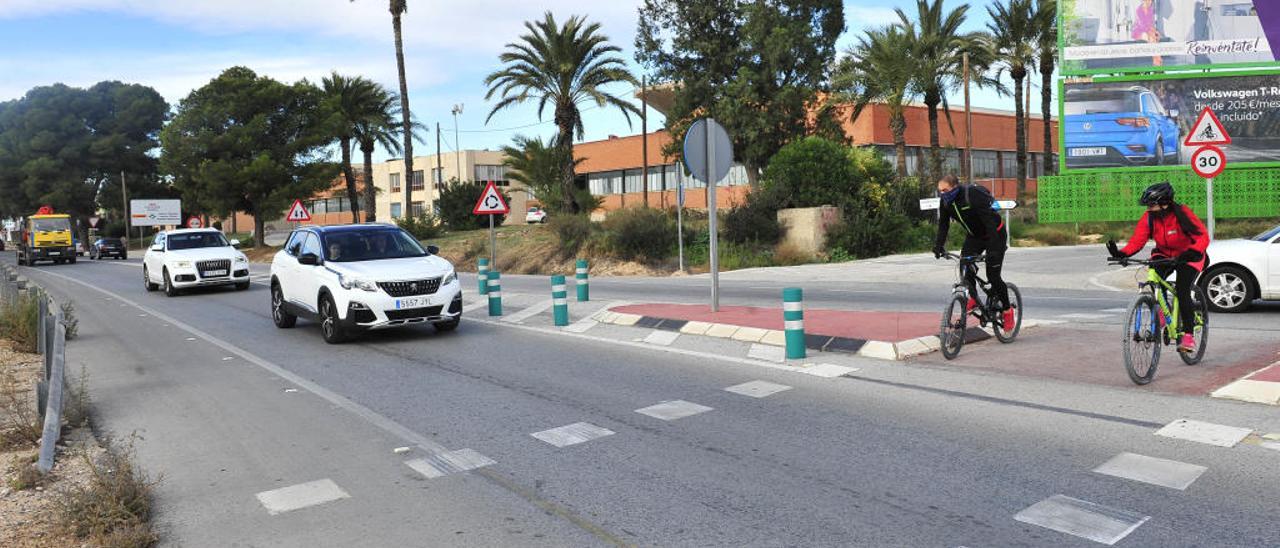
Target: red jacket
[[1170, 240]]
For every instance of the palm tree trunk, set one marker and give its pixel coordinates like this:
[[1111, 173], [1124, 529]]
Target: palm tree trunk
[[898, 125], [353, 193], [404, 114], [1046, 90], [370, 191], [934, 172], [1018, 76], [565, 123]]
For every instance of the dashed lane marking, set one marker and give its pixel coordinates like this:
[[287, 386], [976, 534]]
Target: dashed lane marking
[[303, 495], [573, 434], [1204, 432], [1115, 310], [1086, 316], [581, 326], [673, 410], [1082, 519], [758, 389], [529, 312], [1156, 471], [449, 462], [662, 338], [767, 352]]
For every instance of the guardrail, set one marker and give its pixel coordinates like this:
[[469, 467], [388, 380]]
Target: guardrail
[[51, 331]]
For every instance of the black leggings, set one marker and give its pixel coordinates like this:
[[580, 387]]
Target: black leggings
[[995, 249], [1187, 275]]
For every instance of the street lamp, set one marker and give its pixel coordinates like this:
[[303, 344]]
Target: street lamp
[[457, 109]]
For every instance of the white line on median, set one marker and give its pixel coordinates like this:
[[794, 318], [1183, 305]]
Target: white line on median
[[295, 497], [672, 410], [1082, 518], [662, 338], [1204, 432], [757, 389], [529, 312], [1156, 471], [573, 434], [449, 462]]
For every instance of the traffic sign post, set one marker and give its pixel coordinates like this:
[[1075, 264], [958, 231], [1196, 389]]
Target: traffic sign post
[[1208, 161], [194, 222], [491, 203], [708, 155]]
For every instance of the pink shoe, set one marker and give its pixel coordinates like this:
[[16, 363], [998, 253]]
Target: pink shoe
[[1010, 317], [1187, 343]]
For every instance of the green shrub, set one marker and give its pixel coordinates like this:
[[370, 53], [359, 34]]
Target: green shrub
[[19, 323], [456, 202], [754, 221], [572, 232], [639, 234], [423, 227], [812, 172]]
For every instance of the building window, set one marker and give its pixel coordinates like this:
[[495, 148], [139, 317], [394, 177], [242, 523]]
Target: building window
[[1009, 165], [418, 183], [491, 173], [396, 210], [437, 177], [416, 210], [395, 182], [984, 164]]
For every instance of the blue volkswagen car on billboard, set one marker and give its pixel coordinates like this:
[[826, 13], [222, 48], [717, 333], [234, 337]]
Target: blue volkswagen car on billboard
[[1108, 126]]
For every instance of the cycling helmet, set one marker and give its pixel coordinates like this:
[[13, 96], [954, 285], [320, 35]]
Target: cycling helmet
[[1159, 193]]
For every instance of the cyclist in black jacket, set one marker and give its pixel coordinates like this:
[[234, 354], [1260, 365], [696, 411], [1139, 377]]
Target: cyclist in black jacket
[[974, 207]]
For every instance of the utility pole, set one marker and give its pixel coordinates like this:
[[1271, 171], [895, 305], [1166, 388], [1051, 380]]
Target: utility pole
[[457, 109], [439, 157], [124, 197], [968, 125], [644, 143]]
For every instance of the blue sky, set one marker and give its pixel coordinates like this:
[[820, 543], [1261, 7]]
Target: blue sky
[[178, 45]]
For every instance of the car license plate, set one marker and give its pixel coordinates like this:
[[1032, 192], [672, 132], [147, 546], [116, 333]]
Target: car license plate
[[1089, 151], [208, 273], [412, 302], [52, 253]]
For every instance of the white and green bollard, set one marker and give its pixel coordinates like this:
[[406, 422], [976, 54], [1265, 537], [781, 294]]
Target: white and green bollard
[[580, 276], [559, 301], [793, 322], [482, 276], [495, 293]]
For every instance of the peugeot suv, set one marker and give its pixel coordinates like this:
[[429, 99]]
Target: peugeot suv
[[353, 278]]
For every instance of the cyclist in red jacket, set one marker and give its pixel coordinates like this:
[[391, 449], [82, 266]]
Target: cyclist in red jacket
[[1178, 234]]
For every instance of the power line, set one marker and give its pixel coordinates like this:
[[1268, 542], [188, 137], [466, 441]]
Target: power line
[[536, 124]]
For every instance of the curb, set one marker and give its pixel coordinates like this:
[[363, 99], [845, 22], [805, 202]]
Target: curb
[[1246, 390], [881, 350]]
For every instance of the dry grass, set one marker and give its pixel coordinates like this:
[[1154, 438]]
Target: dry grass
[[20, 424], [114, 507]]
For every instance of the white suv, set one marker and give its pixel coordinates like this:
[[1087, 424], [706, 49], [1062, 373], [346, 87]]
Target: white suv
[[352, 278], [196, 257]]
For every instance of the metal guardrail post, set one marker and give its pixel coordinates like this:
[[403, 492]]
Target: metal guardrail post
[[42, 331], [53, 414]]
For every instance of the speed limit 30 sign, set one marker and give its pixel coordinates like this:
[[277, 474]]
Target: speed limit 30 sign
[[1208, 161]]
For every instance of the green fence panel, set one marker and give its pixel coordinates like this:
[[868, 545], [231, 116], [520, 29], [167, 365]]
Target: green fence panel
[[1094, 197]]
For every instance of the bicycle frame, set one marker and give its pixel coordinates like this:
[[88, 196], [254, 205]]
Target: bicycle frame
[[980, 286], [1171, 317]]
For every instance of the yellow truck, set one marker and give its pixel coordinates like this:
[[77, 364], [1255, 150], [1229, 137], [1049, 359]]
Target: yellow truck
[[46, 236]]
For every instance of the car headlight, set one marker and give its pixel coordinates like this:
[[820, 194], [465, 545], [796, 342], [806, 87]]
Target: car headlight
[[349, 282], [182, 264], [242, 259], [449, 278]]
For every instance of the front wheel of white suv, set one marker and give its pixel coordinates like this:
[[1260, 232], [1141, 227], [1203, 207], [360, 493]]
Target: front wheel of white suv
[[330, 323], [281, 317]]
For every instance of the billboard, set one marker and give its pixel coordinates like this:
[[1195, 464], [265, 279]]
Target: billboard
[[1115, 36], [155, 212], [1141, 121]]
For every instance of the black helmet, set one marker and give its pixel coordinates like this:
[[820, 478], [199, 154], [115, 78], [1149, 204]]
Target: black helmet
[[1159, 193]]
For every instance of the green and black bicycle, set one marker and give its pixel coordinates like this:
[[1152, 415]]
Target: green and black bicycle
[[1153, 321]]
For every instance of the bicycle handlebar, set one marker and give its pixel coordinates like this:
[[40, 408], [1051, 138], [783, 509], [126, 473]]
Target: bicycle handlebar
[[1126, 261], [971, 258]]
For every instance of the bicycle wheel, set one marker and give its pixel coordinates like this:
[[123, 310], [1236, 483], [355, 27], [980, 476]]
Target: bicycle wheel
[[1004, 333], [951, 336], [1200, 305], [1142, 340]]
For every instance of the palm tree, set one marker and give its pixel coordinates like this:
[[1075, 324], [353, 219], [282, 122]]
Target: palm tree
[[398, 8], [939, 48], [1013, 27], [561, 66], [880, 68], [379, 127], [1047, 42], [348, 102], [537, 165]]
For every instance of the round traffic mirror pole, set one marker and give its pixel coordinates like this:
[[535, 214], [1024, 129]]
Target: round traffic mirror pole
[[711, 216]]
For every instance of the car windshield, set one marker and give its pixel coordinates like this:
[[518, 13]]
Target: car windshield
[[1102, 102], [371, 245], [1265, 236], [50, 225], [196, 240]]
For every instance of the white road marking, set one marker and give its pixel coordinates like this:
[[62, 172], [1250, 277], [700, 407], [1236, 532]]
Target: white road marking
[[662, 338], [827, 370], [1156, 471], [573, 434], [672, 410], [581, 326], [1115, 310], [295, 497], [1204, 432], [191, 338], [757, 389], [482, 303], [1081, 518], [1086, 316], [529, 312], [767, 352], [1272, 445], [227, 358], [449, 462]]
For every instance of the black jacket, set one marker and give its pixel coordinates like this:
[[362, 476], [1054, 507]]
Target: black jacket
[[972, 208]]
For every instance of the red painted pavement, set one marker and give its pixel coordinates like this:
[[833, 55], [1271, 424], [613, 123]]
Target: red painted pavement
[[1270, 374], [872, 326]]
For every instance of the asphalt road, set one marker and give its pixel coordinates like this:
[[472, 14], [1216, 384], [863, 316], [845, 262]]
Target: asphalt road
[[227, 408]]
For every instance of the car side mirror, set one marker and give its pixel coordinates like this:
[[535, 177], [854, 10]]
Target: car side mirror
[[433, 249], [1174, 113], [235, 243], [159, 248], [309, 259]]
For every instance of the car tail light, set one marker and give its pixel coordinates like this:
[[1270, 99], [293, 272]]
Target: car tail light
[[1135, 122]]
